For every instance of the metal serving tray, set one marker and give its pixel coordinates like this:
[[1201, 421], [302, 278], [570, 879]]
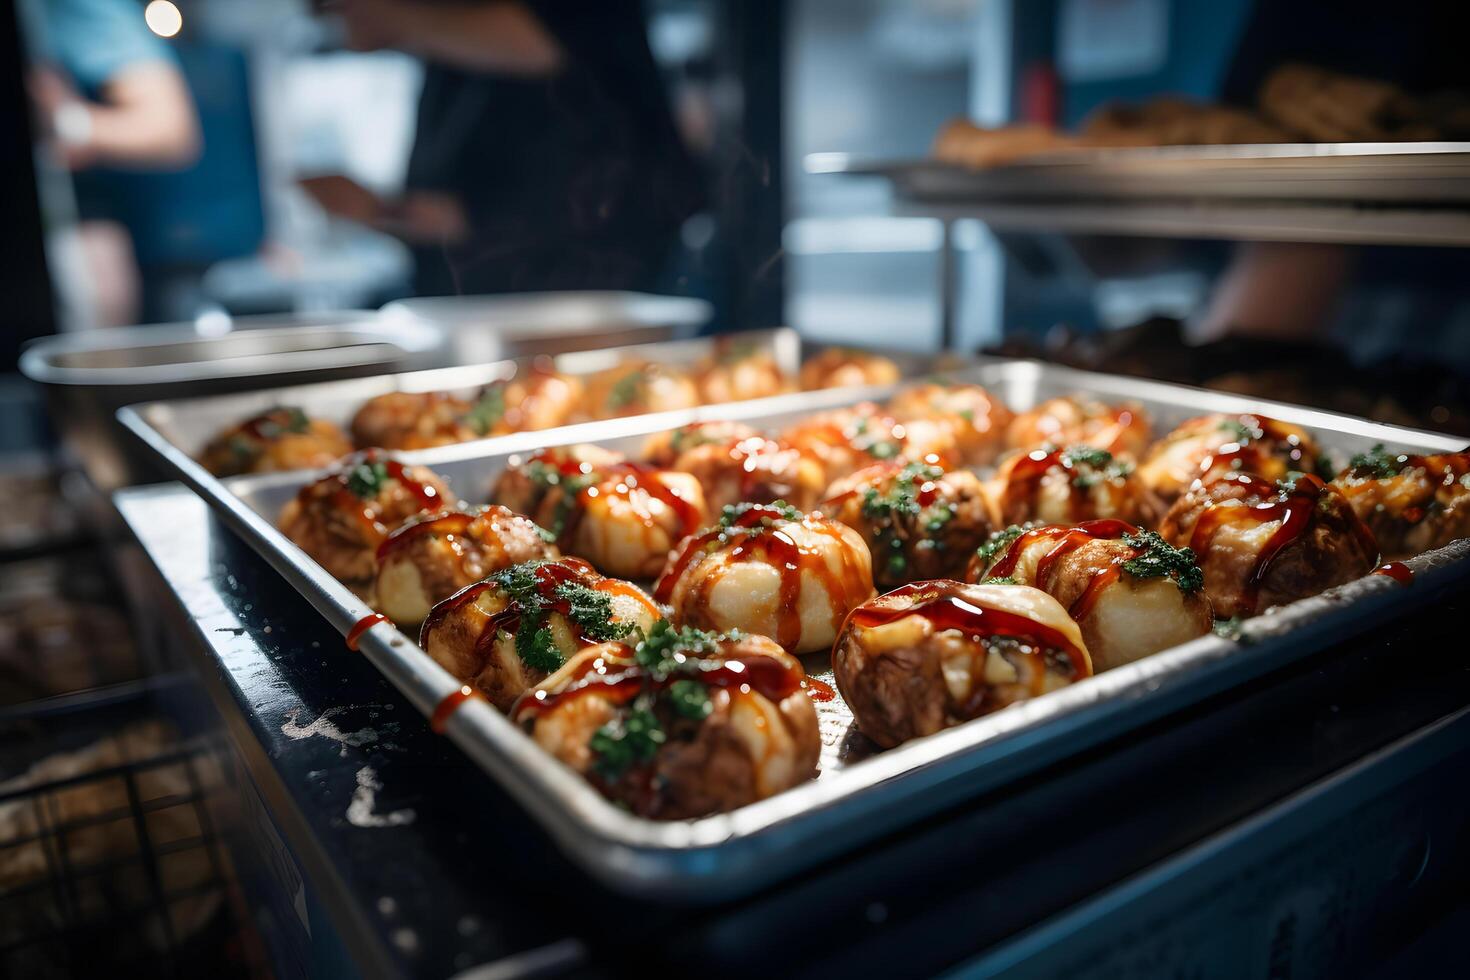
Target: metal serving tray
[[856, 798], [189, 423], [1358, 172]]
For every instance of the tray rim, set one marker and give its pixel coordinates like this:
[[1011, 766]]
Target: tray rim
[[718, 856]]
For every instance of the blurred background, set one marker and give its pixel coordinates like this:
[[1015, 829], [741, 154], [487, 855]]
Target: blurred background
[[202, 162]]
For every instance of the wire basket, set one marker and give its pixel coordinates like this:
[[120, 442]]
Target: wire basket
[[111, 860]]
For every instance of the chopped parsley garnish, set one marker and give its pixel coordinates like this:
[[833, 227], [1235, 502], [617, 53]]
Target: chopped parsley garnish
[[1088, 456], [537, 648], [1160, 559], [690, 699], [367, 478], [279, 421], [901, 497], [489, 410], [625, 742], [570, 484], [666, 648], [999, 580], [998, 543], [1092, 466], [1377, 462], [1241, 431], [589, 609], [626, 390], [783, 512]]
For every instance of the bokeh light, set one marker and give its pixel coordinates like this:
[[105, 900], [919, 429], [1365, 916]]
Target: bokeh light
[[163, 18]]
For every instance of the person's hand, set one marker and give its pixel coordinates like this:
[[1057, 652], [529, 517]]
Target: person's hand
[[371, 25], [426, 216], [343, 197], [63, 115]]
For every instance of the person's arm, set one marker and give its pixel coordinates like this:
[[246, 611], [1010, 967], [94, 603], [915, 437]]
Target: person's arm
[[501, 37], [144, 118]]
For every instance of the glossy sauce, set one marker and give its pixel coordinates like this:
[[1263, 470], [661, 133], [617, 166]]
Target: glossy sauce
[[1069, 539], [445, 522], [748, 539], [621, 680], [1023, 483], [947, 607], [549, 575], [439, 720], [364, 512], [819, 691], [1292, 508], [620, 479], [362, 626], [1253, 455], [1398, 571]]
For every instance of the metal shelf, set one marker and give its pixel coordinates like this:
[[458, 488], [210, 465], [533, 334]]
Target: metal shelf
[[1352, 193]]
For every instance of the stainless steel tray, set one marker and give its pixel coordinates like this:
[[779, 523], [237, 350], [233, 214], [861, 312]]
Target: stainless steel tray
[[853, 800], [1352, 172], [189, 423]]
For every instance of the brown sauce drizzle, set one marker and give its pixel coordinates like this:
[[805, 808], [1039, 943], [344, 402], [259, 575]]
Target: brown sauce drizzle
[[948, 607], [1250, 455], [549, 575], [362, 626], [1069, 539], [445, 522], [1398, 571], [819, 691], [622, 680], [749, 538], [335, 488], [1292, 508], [1026, 473], [439, 720], [629, 476]]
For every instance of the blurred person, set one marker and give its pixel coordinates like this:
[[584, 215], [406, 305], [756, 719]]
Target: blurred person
[[108, 95], [545, 156]]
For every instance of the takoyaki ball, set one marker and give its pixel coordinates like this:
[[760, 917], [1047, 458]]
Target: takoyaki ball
[[407, 420], [847, 439], [622, 517], [341, 519], [635, 388], [1122, 430], [281, 439], [1262, 544], [1064, 486], [538, 398], [769, 569], [842, 367], [663, 448], [525, 484], [1128, 590], [737, 370], [932, 655], [754, 470], [504, 635], [1412, 504], [1210, 445], [920, 522], [978, 420], [431, 557], [683, 725]]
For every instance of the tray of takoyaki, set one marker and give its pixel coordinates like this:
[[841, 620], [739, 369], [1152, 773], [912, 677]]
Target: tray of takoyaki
[[708, 647], [312, 425]]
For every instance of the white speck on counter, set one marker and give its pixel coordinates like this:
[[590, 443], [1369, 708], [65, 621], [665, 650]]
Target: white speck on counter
[[362, 811], [326, 728]]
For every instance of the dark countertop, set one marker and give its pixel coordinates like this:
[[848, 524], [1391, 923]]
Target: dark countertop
[[425, 868]]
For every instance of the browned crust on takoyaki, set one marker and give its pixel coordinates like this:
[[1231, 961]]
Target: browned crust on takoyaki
[[281, 439], [1263, 544], [1411, 503]]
